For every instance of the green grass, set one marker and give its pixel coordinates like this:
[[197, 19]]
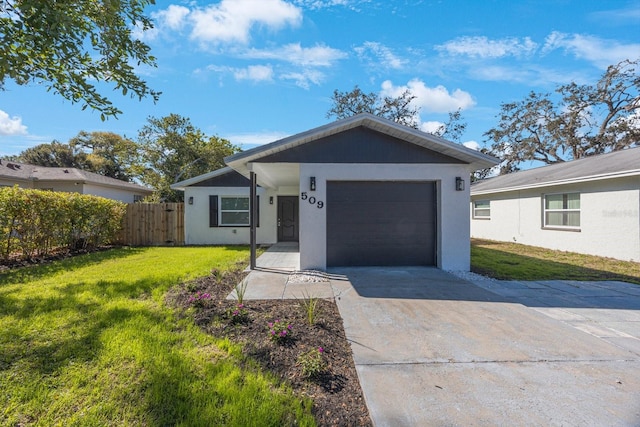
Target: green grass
[[513, 261], [88, 341]]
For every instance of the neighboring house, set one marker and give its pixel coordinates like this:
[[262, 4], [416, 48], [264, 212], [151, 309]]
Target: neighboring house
[[69, 180], [589, 206], [359, 191]]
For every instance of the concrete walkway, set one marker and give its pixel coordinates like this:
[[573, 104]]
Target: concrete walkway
[[277, 276], [432, 349]]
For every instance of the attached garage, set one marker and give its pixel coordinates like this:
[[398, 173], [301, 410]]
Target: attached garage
[[381, 223], [361, 191]]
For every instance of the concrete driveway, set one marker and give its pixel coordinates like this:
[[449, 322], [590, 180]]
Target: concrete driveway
[[434, 350]]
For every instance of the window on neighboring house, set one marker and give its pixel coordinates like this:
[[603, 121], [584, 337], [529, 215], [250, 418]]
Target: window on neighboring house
[[482, 209], [562, 210], [137, 198]]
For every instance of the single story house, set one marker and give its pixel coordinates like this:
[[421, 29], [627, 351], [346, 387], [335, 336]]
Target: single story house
[[359, 191], [590, 205], [70, 180]]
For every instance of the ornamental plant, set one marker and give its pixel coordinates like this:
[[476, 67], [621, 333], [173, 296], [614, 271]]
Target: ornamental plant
[[279, 332], [312, 362], [199, 299], [238, 314], [241, 289], [310, 306]]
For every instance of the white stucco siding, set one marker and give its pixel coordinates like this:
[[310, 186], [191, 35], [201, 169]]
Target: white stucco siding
[[4, 182], [453, 252], [609, 219], [126, 196], [198, 232]]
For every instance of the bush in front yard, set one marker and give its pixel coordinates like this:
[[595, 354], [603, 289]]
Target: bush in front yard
[[34, 222]]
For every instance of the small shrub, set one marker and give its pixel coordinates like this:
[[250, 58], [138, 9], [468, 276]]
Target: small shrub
[[312, 362], [199, 299], [279, 331], [241, 289], [310, 306], [238, 314], [217, 274]]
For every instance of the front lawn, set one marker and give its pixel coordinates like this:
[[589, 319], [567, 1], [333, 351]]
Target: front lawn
[[89, 341], [513, 261]]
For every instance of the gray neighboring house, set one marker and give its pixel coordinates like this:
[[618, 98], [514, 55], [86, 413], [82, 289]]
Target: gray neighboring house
[[69, 180], [589, 206], [358, 191]]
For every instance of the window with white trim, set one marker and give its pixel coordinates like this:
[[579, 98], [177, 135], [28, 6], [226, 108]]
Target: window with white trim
[[562, 210], [481, 209], [234, 211]]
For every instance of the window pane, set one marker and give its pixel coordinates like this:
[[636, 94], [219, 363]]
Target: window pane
[[572, 219], [573, 201], [482, 212], [566, 219], [481, 204], [554, 201], [234, 204], [553, 218], [235, 218]]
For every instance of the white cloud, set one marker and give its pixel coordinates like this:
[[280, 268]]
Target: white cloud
[[316, 56], [432, 127], [472, 144], [256, 73], [430, 99], [483, 47], [529, 74], [10, 126], [304, 78], [173, 17], [233, 20], [323, 4], [630, 16], [245, 139], [601, 52], [378, 55]]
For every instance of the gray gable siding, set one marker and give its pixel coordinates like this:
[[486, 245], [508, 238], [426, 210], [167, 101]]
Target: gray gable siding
[[230, 179], [359, 145]]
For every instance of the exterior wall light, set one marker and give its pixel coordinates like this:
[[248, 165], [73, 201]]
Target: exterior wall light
[[312, 183], [459, 184], [191, 200], [270, 200]]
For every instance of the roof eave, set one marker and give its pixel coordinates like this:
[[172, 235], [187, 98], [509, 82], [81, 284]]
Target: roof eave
[[181, 185], [623, 174]]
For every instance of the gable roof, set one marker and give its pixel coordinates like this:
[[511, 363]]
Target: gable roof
[[26, 172], [475, 159], [223, 177], [604, 166]]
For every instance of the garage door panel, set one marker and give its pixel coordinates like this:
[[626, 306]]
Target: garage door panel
[[380, 223]]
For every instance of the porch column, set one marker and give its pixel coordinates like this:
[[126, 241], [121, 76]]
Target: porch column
[[253, 215]]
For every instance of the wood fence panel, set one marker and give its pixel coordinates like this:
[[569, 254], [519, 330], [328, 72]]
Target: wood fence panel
[[154, 224]]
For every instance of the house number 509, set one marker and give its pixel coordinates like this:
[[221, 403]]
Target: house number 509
[[312, 200]]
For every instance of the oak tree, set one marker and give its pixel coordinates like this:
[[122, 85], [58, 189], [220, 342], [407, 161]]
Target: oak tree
[[580, 120], [69, 45], [172, 150]]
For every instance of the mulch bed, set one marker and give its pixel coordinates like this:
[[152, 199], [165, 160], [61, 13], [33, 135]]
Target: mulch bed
[[336, 394]]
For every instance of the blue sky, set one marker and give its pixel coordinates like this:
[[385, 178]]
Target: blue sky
[[254, 71]]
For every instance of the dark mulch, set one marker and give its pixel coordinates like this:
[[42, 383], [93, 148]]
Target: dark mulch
[[336, 394]]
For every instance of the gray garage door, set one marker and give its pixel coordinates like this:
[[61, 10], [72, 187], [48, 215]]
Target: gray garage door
[[380, 223]]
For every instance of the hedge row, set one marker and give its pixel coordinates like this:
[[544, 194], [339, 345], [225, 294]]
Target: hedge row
[[35, 222]]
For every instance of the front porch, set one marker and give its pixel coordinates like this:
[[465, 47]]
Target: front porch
[[277, 275]]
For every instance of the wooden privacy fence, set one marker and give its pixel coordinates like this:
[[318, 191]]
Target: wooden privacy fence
[[153, 224]]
